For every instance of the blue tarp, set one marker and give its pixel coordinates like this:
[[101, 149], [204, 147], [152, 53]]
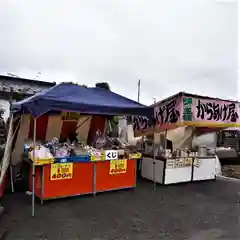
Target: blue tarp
[[74, 98]]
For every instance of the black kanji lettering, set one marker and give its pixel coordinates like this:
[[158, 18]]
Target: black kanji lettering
[[168, 113], [217, 112], [200, 110], [232, 114]]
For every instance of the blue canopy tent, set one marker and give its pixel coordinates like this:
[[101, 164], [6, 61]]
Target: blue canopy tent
[[74, 98]]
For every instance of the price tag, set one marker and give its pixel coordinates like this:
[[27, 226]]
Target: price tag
[[118, 166], [135, 155], [61, 171], [188, 162], [111, 154], [197, 162]]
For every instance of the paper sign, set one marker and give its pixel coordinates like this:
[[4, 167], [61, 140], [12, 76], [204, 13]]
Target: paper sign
[[97, 158], [60, 171], [111, 154], [197, 162], [135, 155], [118, 166]]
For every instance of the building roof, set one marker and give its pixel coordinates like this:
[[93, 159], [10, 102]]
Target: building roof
[[22, 85], [4, 78], [181, 94]]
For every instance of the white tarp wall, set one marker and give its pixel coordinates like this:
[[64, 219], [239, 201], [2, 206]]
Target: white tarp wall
[[54, 128], [209, 140], [5, 106], [21, 137], [7, 153], [181, 137], [83, 127], [126, 131]]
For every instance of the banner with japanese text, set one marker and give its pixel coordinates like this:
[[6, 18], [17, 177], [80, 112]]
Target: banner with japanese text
[[192, 111], [166, 113], [211, 111], [169, 112]]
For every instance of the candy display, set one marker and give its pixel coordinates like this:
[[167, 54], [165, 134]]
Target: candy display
[[78, 151]]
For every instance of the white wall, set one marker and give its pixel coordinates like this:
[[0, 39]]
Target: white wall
[[208, 140], [5, 105], [126, 131]]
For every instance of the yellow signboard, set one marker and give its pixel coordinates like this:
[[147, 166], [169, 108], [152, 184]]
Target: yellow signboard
[[60, 171], [97, 158], [70, 116], [118, 166], [135, 155]]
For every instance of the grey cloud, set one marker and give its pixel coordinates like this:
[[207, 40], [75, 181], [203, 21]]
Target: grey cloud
[[187, 45]]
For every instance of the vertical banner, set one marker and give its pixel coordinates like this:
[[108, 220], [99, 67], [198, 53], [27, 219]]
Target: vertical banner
[[187, 109]]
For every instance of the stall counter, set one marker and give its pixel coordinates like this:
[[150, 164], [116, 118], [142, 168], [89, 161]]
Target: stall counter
[[204, 168], [82, 178], [178, 170]]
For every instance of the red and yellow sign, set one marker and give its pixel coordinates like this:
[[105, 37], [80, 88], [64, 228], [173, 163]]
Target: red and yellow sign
[[61, 171], [118, 166]]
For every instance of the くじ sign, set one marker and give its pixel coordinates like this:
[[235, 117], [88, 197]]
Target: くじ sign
[[60, 171], [111, 154], [118, 166]]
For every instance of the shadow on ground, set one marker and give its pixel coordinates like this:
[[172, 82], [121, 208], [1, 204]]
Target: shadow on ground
[[198, 211]]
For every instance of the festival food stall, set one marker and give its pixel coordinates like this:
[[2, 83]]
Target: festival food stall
[[70, 167], [178, 120]]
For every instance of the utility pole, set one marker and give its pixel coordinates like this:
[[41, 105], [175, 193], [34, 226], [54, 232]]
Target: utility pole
[[139, 84]]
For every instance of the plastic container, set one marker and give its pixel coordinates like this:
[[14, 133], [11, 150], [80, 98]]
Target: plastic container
[[62, 159], [80, 158]]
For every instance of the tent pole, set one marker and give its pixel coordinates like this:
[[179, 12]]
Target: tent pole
[[154, 160], [165, 153], [33, 166], [165, 143]]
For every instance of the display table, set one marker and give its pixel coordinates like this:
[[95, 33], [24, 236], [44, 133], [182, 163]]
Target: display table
[[205, 170], [178, 170], [61, 180], [80, 183]]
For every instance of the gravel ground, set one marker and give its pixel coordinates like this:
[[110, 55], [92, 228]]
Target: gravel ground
[[232, 171], [199, 211]]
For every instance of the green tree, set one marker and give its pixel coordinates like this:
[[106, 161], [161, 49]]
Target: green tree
[[113, 119], [103, 85]]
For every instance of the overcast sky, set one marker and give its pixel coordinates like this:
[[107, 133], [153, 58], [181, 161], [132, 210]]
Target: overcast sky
[[171, 45]]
